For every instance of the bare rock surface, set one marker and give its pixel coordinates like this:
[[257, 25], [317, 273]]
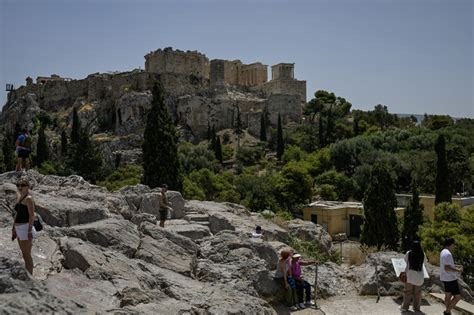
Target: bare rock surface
[[103, 252]]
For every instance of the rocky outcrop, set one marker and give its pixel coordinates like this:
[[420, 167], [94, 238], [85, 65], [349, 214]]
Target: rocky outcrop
[[108, 255], [309, 231]]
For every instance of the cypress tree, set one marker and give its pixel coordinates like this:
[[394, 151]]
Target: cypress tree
[[7, 152], [238, 127], [63, 143], [160, 150], [322, 143], [42, 149], [443, 188], [380, 222], [76, 127], [209, 131], [87, 158], [212, 143], [263, 128], [280, 145], [412, 218], [218, 149]]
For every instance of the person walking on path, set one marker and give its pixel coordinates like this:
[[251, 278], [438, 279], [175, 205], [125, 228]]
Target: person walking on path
[[414, 259], [23, 229], [448, 275], [164, 205], [303, 288]]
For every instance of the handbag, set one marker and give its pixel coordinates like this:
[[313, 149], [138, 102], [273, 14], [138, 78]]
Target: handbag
[[37, 224], [403, 277]]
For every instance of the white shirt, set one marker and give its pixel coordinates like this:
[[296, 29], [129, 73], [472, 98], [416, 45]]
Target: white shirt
[[414, 277], [256, 237], [446, 258]]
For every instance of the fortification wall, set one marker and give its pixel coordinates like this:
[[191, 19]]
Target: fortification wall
[[178, 62], [290, 87], [288, 106]]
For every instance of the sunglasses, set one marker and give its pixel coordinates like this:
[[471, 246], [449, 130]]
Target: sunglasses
[[21, 185]]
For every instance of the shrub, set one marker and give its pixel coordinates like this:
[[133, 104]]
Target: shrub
[[123, 176]]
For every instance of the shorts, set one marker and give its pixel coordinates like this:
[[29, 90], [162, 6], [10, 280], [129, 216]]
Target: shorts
[[452, 287], [163, 215], [22, 231], [24, 154]]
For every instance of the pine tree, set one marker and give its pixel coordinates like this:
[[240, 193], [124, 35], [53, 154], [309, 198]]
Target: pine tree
[[209, 131], [76, 127], [42, 149], [263, 128], [160, 152], [218, 149], [412, 219], [7, 152], [380, 225], [443, 188], [63, 143], [280, 145]]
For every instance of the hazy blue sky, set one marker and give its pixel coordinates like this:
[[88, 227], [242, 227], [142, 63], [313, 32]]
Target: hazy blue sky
[[413, 56]]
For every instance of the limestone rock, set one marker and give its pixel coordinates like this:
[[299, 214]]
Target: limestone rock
[[184, 228], [309, 231]]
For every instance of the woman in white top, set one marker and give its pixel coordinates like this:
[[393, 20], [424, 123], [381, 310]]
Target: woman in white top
[[414, 270]]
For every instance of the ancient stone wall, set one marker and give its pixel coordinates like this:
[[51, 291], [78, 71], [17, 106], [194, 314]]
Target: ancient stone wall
[[236, 73], [289, 107], [289, 87], [283, 71], [178, 62]]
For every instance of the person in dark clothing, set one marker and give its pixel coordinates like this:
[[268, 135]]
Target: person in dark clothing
[[23, 229]]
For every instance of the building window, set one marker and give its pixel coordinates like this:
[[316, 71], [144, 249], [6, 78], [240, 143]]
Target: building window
[[314, 218]]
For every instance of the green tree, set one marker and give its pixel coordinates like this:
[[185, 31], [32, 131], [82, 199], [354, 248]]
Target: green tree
[[218, 149], [63, 143], [443, 188], [293, 185], [76, 127], [343, 185], [160, 150], [449, 221], [380, 221], [209, 131], [263, 128], [238, 128], [85, 158], [42, 149], [195, 157], [412, 219], [7, 152], [280, 145]]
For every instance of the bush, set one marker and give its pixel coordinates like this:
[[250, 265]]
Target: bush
[[227, 152], [310, 249], [249, 156], [123, 176], [49, 168], [327, 192]]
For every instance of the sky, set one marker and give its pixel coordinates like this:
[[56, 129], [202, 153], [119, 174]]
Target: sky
[[414, 56]]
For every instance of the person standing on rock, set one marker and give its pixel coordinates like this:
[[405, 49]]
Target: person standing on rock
[[303, 288], [415, 277], [23, 150], [23, 229], [164, 205], [448, 275]]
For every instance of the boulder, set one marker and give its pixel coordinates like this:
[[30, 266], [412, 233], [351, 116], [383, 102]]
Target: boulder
[[121, 235], [184, 228], [308, 231], [229, 216]]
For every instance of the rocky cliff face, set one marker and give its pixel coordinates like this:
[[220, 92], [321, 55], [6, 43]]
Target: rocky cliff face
[[113, 106], [103, 252]]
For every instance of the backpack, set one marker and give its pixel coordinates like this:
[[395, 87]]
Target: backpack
[[27, 142]]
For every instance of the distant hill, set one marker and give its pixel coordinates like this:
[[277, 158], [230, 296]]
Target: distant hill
[[420, 118]]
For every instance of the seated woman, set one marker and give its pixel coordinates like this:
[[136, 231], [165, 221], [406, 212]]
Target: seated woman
[[283, 273]]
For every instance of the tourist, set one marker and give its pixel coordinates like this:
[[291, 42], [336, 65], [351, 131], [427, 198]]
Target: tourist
[[283, 274], [23, 150], [164, 205], [23, 229], [257, 236], [303, 288], [414, 259], [448, 275]]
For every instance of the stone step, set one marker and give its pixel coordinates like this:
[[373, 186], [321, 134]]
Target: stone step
[[197, 217], [207, 224]]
